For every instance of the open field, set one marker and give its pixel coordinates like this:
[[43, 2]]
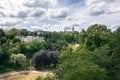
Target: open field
[[24, 75]]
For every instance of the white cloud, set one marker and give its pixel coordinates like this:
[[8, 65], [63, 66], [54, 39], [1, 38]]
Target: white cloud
[[57, 13], [9, 22], [26, 10], [98, 7], [41, 3], [12, 8], [113, 7], [37, 12]]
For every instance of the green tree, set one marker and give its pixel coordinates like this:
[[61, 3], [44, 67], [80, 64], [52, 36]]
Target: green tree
[[114, 69], [3, 40], [101, 56], [95, 36], [19, 59], [2, 34], [82, 36], [45, 59], [79, 66], [12, 33]]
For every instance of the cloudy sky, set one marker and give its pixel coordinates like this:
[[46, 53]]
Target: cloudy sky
[[58, 15]]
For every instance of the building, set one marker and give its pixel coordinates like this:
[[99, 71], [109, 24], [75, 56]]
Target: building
[[29, 38]]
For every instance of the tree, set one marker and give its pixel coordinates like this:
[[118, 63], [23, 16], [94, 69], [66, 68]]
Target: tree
[[82, 36], [45, 58], [115, 39], [19, 59], [68, 37], [78, 66], [3, 40], [12, 33], [101, 56], [95, 36], [2, 34], [4, 56], [24, 32], [114, 69]]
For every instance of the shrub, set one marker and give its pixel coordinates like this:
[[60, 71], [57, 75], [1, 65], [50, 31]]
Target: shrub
[[45, 58]]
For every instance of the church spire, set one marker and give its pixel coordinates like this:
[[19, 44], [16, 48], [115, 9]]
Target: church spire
[[73, 29]]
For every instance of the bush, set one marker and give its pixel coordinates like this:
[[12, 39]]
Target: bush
[[19, 59], [46, 78], [38, 78], [44, 59]]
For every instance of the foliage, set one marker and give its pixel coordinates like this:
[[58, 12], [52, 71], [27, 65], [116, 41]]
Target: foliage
[[19, 59], [114, 69], [96, 58], [38, 78], [46, 78], [2, 34], [95, 36], [12, 33], [45, 58], [30, 48], [79, 66], [101, 56]]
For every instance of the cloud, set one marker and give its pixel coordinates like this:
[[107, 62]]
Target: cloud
[[2, 14], [113, 10], [99, 7], [67, 28], [37, 12], [40, 3], [9, 22], [95, 7], [57, 13], [96, 12], [113, 7], [31, 13], [22, 14], [12, 9]]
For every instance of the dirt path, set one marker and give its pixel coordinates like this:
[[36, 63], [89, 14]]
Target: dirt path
[[13, 73]]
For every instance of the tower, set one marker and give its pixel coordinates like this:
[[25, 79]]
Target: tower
[[73, 29]]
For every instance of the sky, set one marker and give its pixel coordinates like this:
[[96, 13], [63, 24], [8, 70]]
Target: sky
[[58, 15]]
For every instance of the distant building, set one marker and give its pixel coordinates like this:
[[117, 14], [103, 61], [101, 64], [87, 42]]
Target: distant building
[[29, 38]]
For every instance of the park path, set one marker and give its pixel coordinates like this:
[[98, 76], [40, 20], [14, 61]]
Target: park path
[[22, 72]]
